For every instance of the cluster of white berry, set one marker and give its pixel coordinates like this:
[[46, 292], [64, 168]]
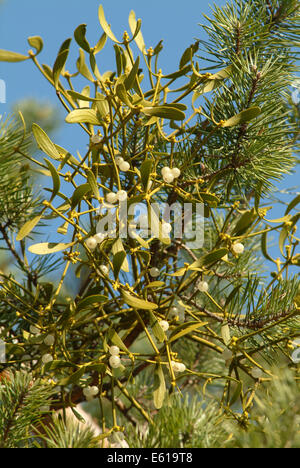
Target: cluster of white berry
[[93, 241], [90, 392], [178, 366], [123, 165], [170, 174], [114, 360], [112, 197]]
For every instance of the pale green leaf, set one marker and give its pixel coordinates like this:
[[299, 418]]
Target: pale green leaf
[[83, 116], [28, 227], [44, 142]]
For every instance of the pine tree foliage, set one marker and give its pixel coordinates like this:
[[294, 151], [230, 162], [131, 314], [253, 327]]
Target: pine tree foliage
[[23, 401], [182, 316], [25, 417]]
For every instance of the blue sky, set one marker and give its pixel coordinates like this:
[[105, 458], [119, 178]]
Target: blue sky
[[173, 21]]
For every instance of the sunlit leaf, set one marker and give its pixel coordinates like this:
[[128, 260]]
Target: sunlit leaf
[[7, 56], [243, 117], [138, 303], [44, 142], [28, 227]]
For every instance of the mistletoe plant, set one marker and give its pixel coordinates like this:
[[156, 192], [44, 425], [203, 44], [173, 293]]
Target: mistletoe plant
[[158, 306]]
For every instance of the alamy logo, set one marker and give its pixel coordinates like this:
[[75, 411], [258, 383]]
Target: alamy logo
[[157, 220], [2, 352], [2, 92]]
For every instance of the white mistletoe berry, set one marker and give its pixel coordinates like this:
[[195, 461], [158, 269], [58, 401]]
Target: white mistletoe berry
[[99, 237], [95, 139], [174, 311], [114, 362], [34, 330], [164, 325], [238, 248], [181, 367], [178, 366], [154, 272], [203, 286], [124, 166], [49, 340], [176, 172], [47, 358], [93, 390], [165, 170], [114, 350], [227, 354], [166, 228], [91, 243], [112, 197], [104, 269], [168, 177], [122, 195], [256, 373], [119, 160]]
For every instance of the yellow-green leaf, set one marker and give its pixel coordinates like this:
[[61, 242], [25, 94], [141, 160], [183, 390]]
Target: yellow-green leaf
[[138, 303], [83, 68], [118, 247], [28, 227], [61, 61], [82, 97], [237, 392], [137, 37], [123, 95], [44, 142], [264, 247], [243, 117], [207, 259], [145, 171], [116, 340], [225, 333], [293, 204], [184, 329], [100, 44], [155, 285], [73, 378], [105, 26], [91, 300], [36, 42], [55, 178], [80, 38], [8, 56], [222, 74], [159, 387], [164, 112], [129, 81], [83, 116], [46, 248], [93, 183], [156, 328], [245, 221], [79, 193], [118, 260]]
